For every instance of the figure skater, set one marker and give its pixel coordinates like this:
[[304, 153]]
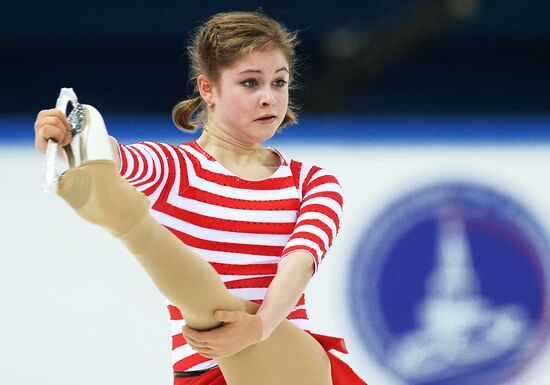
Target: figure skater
[[230, 231]]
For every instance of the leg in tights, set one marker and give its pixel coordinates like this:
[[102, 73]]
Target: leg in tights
[[101, 196]]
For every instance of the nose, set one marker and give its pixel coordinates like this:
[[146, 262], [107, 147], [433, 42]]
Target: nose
[[267, 97]]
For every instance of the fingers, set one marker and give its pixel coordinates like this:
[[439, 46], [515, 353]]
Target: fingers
[[196, 344], [237, 333], [51, 124], [191, 333], [204, 348], [207, 353], [196, 338]]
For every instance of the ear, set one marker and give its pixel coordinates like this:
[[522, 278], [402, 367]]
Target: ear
[[206, 88]]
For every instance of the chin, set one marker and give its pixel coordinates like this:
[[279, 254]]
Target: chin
[[269, 135], [262, 135], [261, 139]]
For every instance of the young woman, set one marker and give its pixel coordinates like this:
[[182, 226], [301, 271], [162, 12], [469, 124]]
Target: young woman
[[262, 221]]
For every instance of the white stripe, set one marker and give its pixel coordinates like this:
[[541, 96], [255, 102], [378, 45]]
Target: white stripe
[[156, 165], [306, 168], [174, 178], [234, 258], [321, 217], [250, 293], [327, 202], [152, 163], [205, 365], [250, 194], [219, 235], [301, 323], [316, 231], [305, 242], [301, 307], [231, 192], [176, 326], [129, 161], [181, 352], [137, 169], [211, 210], [319, 173], [230, 278], [332, 187]]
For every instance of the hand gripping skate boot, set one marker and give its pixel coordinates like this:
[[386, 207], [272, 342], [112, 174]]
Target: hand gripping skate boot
[[90, 140]]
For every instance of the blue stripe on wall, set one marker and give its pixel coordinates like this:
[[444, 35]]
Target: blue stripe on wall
[[345, 130]]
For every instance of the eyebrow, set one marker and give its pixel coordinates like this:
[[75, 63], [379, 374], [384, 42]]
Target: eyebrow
[[261, 72]]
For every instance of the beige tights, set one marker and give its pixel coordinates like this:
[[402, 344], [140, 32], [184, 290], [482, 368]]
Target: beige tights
[[101, 196]]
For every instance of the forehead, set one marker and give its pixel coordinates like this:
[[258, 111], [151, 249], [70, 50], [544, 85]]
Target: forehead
[[267, 61]]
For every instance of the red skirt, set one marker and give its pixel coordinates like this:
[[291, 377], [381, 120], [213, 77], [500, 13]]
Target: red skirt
[[342, 374]]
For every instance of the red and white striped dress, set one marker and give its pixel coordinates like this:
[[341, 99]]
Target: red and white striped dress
[[242, 228]]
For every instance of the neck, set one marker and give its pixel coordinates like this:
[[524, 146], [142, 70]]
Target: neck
[[224, 146], [248, 161]]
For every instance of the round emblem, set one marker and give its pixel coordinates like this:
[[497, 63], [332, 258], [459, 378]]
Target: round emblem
[[449, 286]]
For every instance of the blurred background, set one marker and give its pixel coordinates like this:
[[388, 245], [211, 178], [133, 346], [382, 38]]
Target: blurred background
[[434, 114], [404, 56]]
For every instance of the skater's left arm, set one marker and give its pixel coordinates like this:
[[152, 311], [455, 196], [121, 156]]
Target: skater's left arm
[[293, 275], [316, 227]]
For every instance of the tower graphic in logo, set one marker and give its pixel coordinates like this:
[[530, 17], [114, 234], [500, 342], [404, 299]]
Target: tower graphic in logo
[[449, 286]]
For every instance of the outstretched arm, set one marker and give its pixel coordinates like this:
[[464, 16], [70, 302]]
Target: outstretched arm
[[293, 275]]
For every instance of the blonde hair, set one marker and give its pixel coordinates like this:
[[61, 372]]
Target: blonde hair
[[219, 43]]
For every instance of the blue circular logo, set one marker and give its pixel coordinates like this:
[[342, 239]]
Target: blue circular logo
[[449, 286]]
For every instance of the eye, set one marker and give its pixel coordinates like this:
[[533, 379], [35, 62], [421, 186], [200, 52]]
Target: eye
[[249, 83], [280, 83]]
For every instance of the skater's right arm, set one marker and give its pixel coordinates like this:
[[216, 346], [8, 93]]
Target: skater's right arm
[[52, 124]]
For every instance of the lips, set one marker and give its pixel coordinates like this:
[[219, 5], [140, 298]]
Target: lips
[[265, 118]]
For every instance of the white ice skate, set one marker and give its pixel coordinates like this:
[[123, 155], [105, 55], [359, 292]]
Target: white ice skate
[[90, 140]]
